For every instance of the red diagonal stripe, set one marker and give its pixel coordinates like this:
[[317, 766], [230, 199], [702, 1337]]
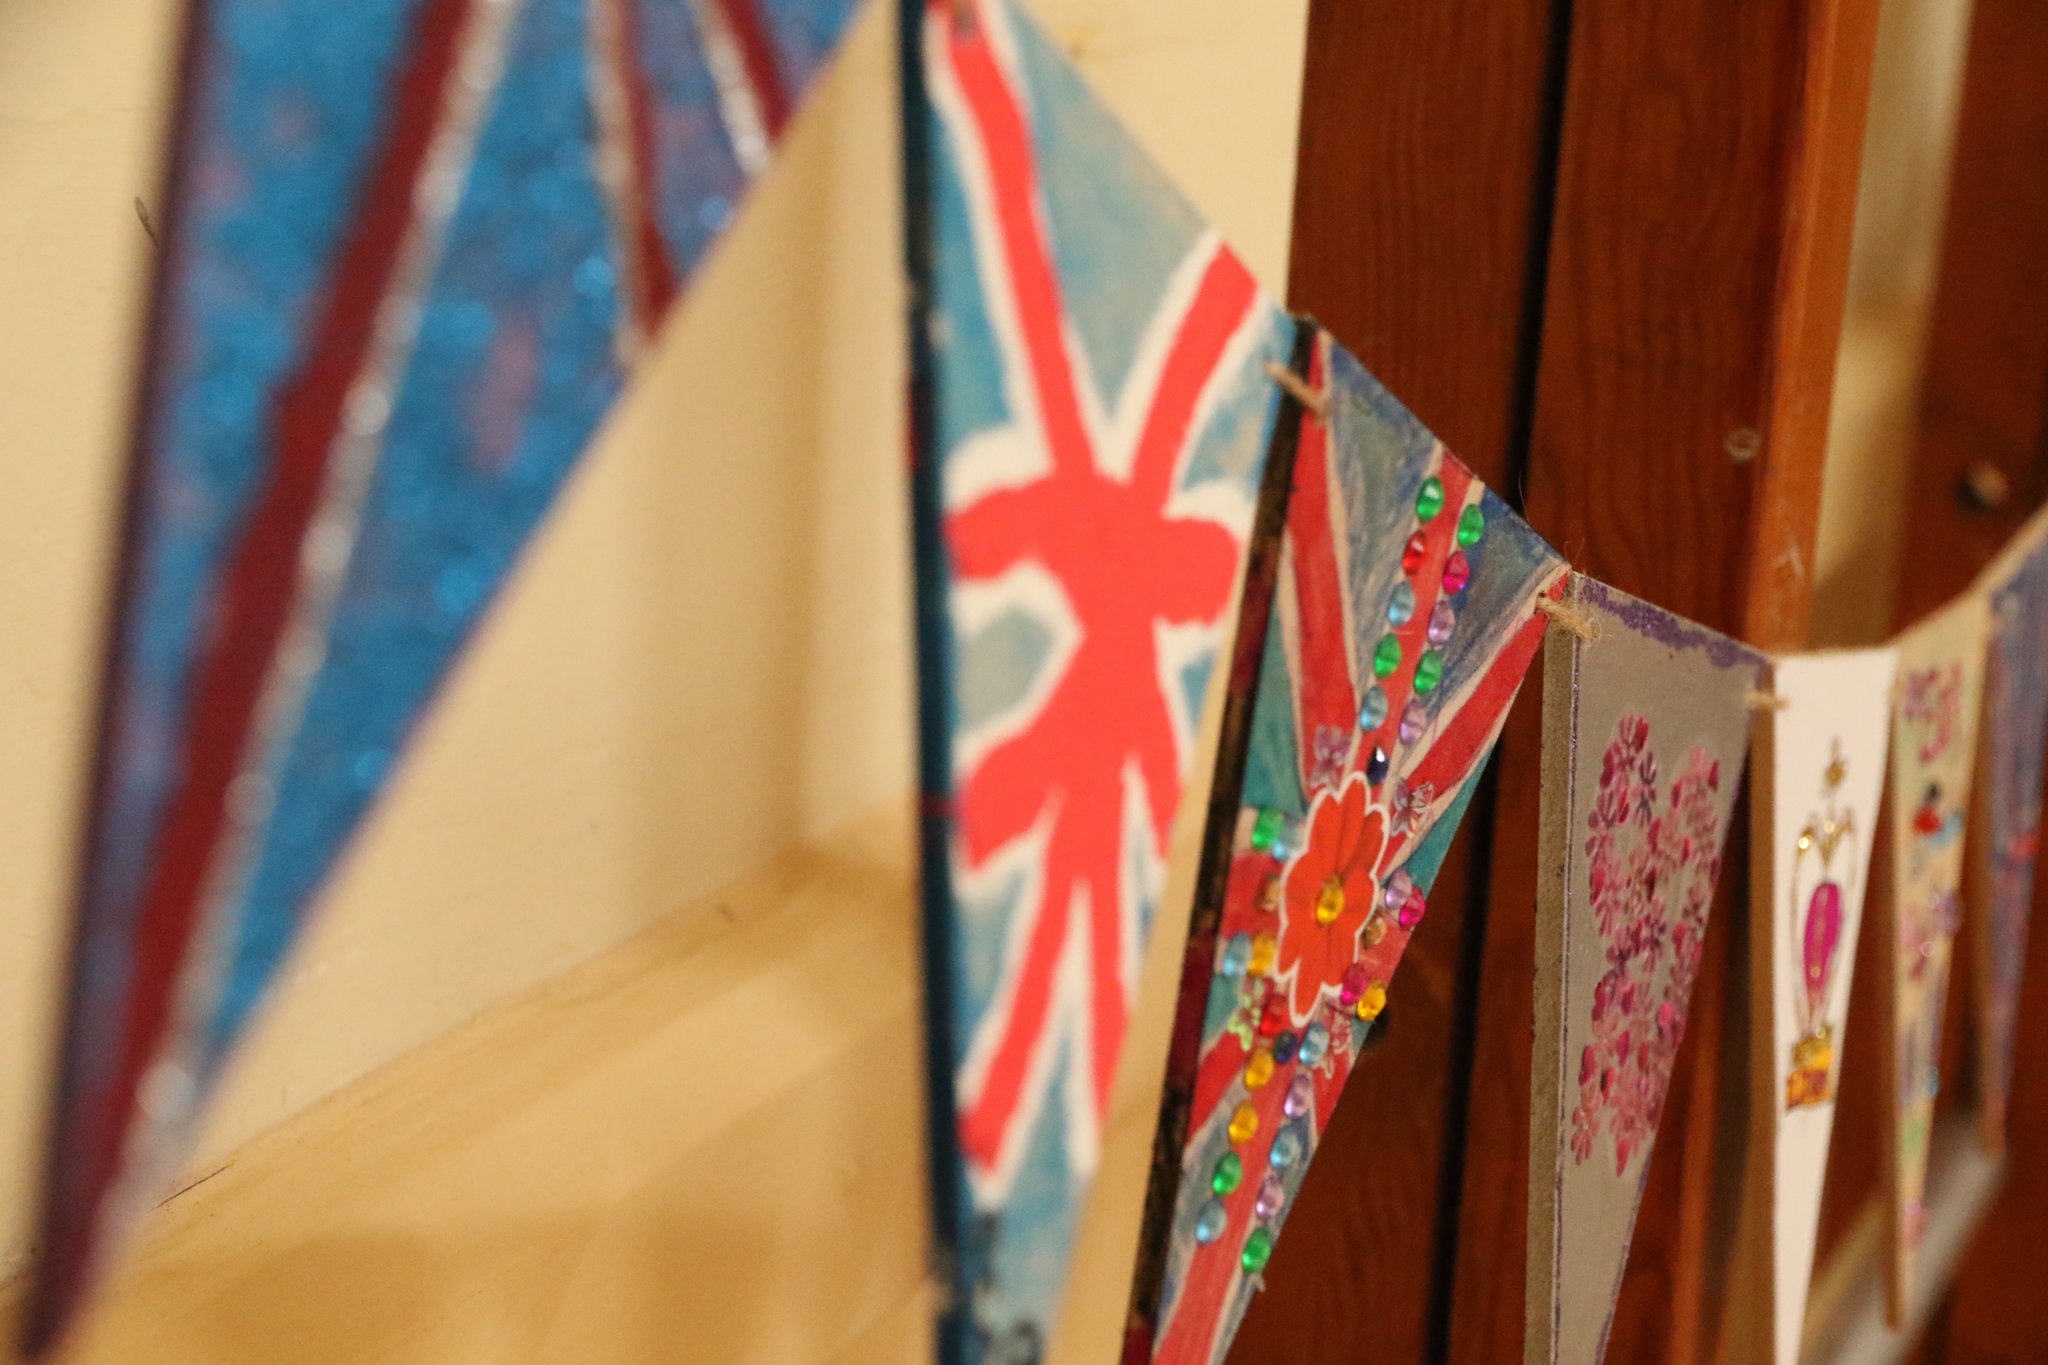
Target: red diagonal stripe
[[653, 274], [1328, 694], [757, 56], [1005, 140], [1226, 293]]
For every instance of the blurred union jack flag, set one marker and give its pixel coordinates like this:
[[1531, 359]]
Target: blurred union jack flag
[[1096, 421]]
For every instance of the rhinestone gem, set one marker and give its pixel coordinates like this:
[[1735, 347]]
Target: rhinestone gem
[[1416, 552], [1369, 1005], [1210, 1222], [1265, 829], [1401, 605], [1315, 1043], [1237, 955], [1330, 902], [1265, 951], [1228, 1174], [1429, 499], [1286, 1148], [1258, 1069], [1471, 525], [1414, 720], [1285, 1046], [1442, 621], [1258, 1249], [1386, 656], [1272, 1196], [1372, 711], [1244, 1124], [1429, 671], [1394, 894], [1376, 766], [1413, 909], [1352, 986], [1301, 1093], [1457, 572]]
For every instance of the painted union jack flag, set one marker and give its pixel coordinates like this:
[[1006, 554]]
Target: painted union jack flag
[[1094, 413], [1396, 637], [411, 249]]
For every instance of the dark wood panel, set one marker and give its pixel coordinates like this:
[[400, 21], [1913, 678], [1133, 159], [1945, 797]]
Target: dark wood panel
[[1698, 262], [1601, 249]]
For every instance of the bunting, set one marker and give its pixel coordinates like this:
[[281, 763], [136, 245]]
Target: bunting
[[1394, 642], [1646, 728]]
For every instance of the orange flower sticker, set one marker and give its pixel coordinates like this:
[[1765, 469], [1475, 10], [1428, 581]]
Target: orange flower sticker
[[1331, 892]]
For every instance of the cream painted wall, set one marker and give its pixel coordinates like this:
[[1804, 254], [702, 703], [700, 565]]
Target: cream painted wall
[[704, 657], [1915, 85]]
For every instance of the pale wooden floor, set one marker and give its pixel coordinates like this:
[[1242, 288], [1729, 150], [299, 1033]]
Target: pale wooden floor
[[703, 1146]]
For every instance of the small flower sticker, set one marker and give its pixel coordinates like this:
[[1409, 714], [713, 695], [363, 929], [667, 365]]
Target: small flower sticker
[[1330, 893]]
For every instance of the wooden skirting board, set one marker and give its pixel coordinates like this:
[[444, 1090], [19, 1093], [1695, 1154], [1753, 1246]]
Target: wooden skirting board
[[702, 1145]]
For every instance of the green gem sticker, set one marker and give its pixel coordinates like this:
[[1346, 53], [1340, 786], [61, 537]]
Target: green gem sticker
[[1229, 1173], [1386, 656], [1429, 671], [1258, 1249], [1429, 500], [1471, 526], [1265, 830]]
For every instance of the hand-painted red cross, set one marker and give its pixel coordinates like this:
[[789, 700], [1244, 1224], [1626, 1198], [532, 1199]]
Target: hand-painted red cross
[[1104, 529]]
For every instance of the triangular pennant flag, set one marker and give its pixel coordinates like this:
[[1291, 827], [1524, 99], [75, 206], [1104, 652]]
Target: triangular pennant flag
[[1817, 777], [2016, 726], [1091, 410], [411, 247], [1646, 722], [1934, 746], [1397, 634]]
